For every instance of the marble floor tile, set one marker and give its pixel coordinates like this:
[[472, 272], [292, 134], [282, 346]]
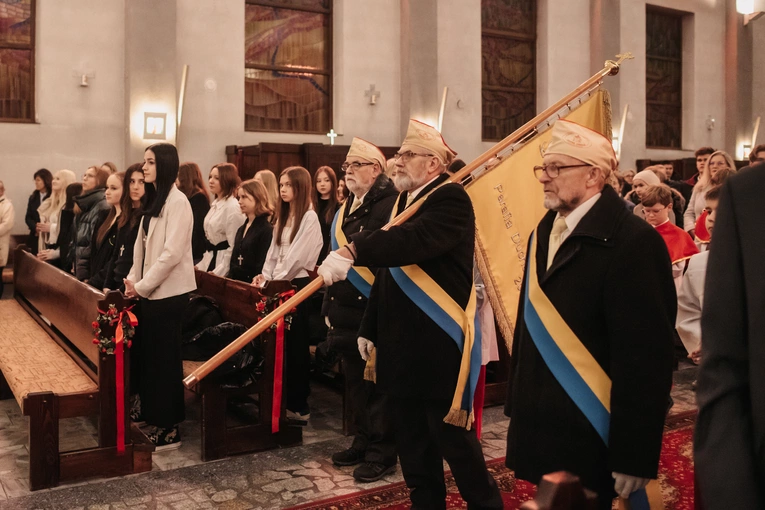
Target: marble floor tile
[[273, 479]]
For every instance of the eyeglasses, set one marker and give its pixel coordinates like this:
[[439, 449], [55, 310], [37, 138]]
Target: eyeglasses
[[408, 155], [552, 170], [353, 166]]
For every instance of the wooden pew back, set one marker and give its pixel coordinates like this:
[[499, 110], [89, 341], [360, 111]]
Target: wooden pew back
[[237, 300], [67, 303]]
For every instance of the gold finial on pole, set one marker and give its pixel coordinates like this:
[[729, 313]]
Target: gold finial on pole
[[614, 66]]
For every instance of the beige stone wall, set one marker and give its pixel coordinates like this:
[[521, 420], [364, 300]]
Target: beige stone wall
[[409, 49]]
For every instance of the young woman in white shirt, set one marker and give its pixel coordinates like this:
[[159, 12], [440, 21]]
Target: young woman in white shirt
[[294, 250], [222, 221], [50, 215], [162, 276]]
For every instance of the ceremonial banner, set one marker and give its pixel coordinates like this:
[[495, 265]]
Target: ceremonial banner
[[508, 203]]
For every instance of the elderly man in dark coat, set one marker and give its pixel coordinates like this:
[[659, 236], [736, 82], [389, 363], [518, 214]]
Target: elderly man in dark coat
[[729, 446], [591, 255], [418, 363], [367, 208]]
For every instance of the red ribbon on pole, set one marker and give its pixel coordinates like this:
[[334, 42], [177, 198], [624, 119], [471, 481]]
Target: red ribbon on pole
[[276, 403], [119, 350]]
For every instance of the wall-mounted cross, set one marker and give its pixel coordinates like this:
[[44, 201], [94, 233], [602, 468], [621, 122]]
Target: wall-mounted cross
[[372, 94], [332, 135]]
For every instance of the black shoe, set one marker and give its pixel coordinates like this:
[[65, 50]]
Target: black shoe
[[349, 457], [165, 439], [372, 471]]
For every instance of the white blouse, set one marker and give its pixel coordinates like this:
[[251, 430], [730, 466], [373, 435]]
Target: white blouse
[[294, 260], [221, 223]]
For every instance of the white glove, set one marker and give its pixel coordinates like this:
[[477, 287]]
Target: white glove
[[365, 348], [334, 268], [624, 485]]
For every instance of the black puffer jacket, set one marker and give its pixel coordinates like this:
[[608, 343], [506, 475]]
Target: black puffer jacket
[[343, 304], [91, 203]]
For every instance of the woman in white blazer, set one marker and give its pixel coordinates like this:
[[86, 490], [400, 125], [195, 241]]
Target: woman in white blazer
[[162, 276], [222, 220]]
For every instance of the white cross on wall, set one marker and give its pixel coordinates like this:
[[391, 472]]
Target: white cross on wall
[[332, 135]]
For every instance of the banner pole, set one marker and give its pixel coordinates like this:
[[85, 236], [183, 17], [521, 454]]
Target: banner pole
[[611, 68]]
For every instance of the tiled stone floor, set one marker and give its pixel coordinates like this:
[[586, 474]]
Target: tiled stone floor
[[273, 479]]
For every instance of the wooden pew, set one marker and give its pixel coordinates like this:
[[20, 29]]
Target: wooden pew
[[65, 309], [562, 491], [237, 301]]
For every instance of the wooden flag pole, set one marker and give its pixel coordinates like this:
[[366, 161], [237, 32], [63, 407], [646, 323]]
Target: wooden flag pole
[[611, 68]]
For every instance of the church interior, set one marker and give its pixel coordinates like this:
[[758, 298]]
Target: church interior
[[278, 84]]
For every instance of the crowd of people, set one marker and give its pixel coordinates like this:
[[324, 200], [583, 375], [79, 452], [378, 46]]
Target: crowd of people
[[144, 230]]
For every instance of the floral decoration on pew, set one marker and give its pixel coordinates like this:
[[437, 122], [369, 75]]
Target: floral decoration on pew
[[123, 322], [268, 303]]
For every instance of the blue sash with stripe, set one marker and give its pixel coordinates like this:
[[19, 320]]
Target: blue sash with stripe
[[572, 365]]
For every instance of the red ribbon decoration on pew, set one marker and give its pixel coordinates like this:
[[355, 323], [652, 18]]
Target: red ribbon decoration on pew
[[119, 350], [276, 404]]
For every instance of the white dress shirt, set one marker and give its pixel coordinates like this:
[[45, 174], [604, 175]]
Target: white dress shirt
[[575, 216], [221, 223], [690, 302], [293, 260], [413, 194]]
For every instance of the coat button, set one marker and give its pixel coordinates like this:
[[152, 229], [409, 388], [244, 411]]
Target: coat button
[[332, 298], [359, 298]]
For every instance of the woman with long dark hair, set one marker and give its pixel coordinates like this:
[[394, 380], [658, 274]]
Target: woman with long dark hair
[[127, 224], [162, 276], [325, 203], [254, 237], [43, 181], [193, 186], [222, 221], [293, 253], [104, 241]]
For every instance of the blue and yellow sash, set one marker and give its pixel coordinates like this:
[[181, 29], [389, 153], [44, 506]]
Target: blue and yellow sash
[[572, 365], [460, 324], [359, 276]]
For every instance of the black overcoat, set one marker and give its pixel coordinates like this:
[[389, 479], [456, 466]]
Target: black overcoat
[[343, 304], [611, 281], [415, 357], [730, 430]]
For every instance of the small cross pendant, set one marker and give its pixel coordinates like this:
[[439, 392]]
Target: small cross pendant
[[240, 259], [122, 249]]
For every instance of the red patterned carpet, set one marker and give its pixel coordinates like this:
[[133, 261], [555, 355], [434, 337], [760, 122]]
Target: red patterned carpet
[[675, 477]]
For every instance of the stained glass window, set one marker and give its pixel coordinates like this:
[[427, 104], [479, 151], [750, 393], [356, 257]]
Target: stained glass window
[[287, 82], [663, 76], [17, 60], [508, 54]]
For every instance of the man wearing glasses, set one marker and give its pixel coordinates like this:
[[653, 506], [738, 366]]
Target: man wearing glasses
[[367, 209], [417, 361], [591, 366]]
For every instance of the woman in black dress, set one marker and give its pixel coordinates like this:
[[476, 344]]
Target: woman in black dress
[[122, 258], [325, 203], [104, 241], [254, 237], [192, 184]]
